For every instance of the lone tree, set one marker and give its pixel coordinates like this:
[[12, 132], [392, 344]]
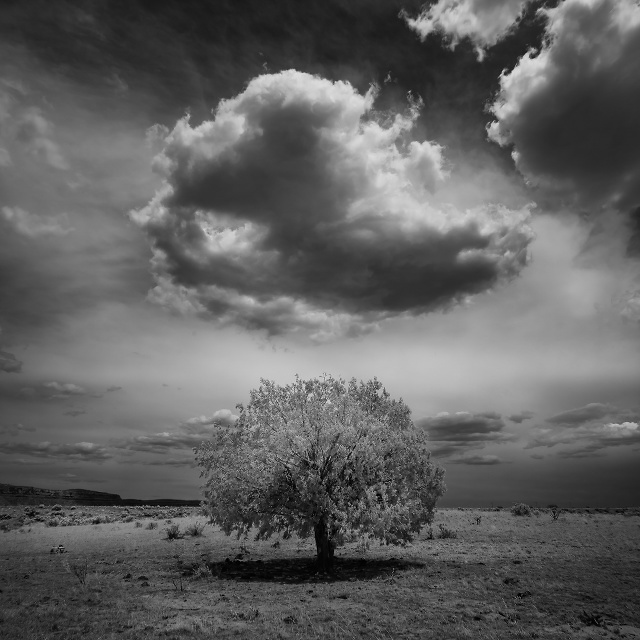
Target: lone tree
[[321, 456]]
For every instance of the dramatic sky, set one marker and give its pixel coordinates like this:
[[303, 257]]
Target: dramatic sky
[[197, 195]]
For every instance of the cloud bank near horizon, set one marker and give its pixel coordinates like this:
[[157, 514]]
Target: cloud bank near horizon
[[299, 208]]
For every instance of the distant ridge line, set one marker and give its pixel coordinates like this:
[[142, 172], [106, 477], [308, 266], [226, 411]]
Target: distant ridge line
[[16, 495]]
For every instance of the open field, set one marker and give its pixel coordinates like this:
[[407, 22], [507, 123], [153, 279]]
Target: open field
[[504, 577]]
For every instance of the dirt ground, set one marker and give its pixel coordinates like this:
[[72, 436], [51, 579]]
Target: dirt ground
[[503, 576]]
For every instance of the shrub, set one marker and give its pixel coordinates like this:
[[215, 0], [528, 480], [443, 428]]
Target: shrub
[[445, 532], [129, 519], [138, 524], [173, 532], [53, 522], [195, 530], [521, 509], [151, 525], [56, 507]]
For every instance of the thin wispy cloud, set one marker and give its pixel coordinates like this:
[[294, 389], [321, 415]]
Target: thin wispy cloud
[[521, 417], [15, 429], [79, 451], [477, 460], [187, 435], [32, 225]]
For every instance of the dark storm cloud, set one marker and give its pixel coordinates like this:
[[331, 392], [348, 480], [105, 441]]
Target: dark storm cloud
[[570, 110], [588, 430], [80, 451], [9, 363], [484, 22], [187, 435], [294, 208], [519, 418], [451, 434]]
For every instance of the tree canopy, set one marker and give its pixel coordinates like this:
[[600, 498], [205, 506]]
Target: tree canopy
[[321, 456]]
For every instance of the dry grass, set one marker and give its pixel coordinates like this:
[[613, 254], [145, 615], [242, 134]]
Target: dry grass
[[503, 578]]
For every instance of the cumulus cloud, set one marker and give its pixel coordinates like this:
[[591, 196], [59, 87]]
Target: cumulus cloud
[[31, 225], [187, 435], [521, 417], [449, 433], [299, 208], [35, 132], [79, 451], [570, 110], [14, 429], [484, 22], [588, 430]]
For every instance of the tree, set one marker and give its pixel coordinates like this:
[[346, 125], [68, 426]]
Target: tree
[[321, 456]]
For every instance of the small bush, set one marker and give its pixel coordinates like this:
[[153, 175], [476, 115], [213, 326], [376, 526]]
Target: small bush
[[151, 525], [53, 522], [56, 507], [521, 509], [129, 519], [138, 524], [173, 532], [79, 570], [445, 532], [195, 529]]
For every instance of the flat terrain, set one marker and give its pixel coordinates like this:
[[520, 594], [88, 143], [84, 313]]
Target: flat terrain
[[504, 577]]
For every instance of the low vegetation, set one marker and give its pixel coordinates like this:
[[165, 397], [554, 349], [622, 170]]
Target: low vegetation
[[478, 574]]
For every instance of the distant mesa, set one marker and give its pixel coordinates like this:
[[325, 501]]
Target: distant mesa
[[14, 495]]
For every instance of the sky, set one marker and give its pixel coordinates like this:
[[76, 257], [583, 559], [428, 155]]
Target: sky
[[444, 196]]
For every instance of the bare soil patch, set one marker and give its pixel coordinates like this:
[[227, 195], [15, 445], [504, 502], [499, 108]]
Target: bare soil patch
[[506, 577]]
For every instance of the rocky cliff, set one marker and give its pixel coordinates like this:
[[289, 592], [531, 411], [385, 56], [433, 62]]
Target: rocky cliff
[[12, 495]]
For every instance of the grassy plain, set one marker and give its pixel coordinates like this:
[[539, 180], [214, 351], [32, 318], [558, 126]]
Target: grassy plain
[[506, 577]]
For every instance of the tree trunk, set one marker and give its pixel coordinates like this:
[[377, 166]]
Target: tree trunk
[[324, 546]]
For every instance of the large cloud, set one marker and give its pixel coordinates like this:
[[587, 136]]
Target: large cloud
[[570, 110], [484, 22], [296, 207]]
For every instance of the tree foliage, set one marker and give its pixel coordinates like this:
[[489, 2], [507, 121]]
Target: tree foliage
[[321, 456]]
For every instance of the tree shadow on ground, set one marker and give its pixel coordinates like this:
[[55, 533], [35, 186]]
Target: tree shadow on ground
[[299, 570]]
